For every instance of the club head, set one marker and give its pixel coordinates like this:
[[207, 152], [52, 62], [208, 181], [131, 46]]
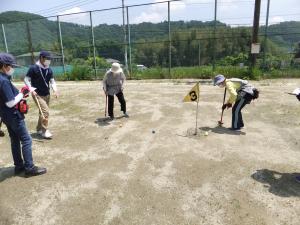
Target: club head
[[220, 123]]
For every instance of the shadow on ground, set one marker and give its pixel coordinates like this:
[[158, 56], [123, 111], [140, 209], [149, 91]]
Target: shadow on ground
[[222, 130], [281, 184], [8, 172]]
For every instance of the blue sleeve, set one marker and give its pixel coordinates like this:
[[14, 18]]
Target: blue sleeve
[[7, 92]]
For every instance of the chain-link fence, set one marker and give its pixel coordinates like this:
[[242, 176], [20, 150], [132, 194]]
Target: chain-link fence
[[89, 42]]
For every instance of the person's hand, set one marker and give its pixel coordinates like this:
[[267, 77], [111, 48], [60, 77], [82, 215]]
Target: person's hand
[[33, 93], [227, 105], [56, 94], [25, 91], [298, 96]]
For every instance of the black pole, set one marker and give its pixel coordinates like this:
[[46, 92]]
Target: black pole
[[30, 42], [255, 30]]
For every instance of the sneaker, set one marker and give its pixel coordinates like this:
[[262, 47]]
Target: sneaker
[[126, 115], [47, 134], [35, 171], [297, 178], [19, 170], [111, 118]]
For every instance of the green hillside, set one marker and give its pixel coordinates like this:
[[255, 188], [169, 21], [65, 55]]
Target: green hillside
[[149, 44]]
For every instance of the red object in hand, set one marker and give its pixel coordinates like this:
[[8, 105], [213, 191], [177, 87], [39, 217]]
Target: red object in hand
[[25, 91]]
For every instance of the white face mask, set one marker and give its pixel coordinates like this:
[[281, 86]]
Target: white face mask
[[10, 72], [47, 62]]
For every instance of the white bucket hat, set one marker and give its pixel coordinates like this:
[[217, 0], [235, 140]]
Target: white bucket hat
[[116, 68]]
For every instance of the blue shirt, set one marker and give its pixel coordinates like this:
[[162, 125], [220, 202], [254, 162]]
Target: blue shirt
[[8, 92], [40, 79]]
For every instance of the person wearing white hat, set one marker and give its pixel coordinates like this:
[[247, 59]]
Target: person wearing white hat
[[113, 84], [240, 94]]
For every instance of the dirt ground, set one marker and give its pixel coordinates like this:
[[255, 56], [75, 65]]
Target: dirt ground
[[150, 169]]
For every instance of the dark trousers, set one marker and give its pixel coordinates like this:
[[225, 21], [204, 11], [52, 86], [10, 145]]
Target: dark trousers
[[19, 136], [111, 99], [237, 118]]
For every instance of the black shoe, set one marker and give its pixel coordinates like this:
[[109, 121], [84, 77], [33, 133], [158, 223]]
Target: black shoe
[[111, 118], [19, 170], [235, 129], [35, 171], [126, 115], [2, 133]]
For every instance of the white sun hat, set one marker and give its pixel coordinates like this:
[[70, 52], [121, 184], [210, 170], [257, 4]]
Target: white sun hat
[[116, 68]]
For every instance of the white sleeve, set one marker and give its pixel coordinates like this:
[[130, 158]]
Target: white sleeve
[[17, 99], [27, 81], [53, 84]]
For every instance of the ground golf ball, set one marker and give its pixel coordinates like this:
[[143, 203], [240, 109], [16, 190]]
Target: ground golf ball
[[153, 131], [206, 133]]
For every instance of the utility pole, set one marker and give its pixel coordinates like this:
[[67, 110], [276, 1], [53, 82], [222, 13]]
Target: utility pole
[[93, 42], [266, 33], [255, 31], [61, 45], [30, 42], [125, 36]]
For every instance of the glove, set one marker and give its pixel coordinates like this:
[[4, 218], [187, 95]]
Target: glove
[[227, 105], [25, 91]]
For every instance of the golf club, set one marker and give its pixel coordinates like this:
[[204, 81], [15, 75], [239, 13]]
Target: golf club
[[39, 106], [220, 122]]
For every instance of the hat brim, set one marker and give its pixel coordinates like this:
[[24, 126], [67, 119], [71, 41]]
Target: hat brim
[[219, 82], [116, 71]]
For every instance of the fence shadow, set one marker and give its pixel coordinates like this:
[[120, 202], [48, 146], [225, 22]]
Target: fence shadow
[[222, 130], [280, 184]]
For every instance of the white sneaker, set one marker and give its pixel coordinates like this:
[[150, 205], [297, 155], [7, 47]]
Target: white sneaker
[[47, 134]]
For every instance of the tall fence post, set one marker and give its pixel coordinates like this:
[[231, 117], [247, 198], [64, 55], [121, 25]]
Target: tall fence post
[[129, 42], [214, 42], [255, 30], [4, 38], [199, 53], [93, 42], [170, 43], [266, 33], [30, 42], [125, 38], [61, 45]]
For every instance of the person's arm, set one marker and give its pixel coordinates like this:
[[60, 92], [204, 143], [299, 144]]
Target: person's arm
[[8, 96], [53, 83], [27, 79], [123, 78], [104, 83], [232, 92]]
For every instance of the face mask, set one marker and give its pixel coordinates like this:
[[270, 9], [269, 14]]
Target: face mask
[[47, 62], [10, 72]]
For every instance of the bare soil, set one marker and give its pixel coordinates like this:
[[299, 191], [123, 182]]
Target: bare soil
[[150, 169]]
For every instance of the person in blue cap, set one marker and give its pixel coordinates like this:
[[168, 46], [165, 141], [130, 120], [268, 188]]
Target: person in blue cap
[[40, 77], [240, 94], [13, 118]]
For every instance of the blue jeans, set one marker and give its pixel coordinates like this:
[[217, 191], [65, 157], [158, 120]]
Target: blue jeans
[[19, 136]]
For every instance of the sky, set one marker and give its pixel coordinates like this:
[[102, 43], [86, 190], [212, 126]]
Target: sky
[[232, 12]]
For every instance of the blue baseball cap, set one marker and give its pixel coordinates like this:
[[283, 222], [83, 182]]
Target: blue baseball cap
[[45, 54], [218, 79], [8, 59]]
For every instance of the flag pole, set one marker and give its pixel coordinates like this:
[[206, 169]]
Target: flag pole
[[196, 128]]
